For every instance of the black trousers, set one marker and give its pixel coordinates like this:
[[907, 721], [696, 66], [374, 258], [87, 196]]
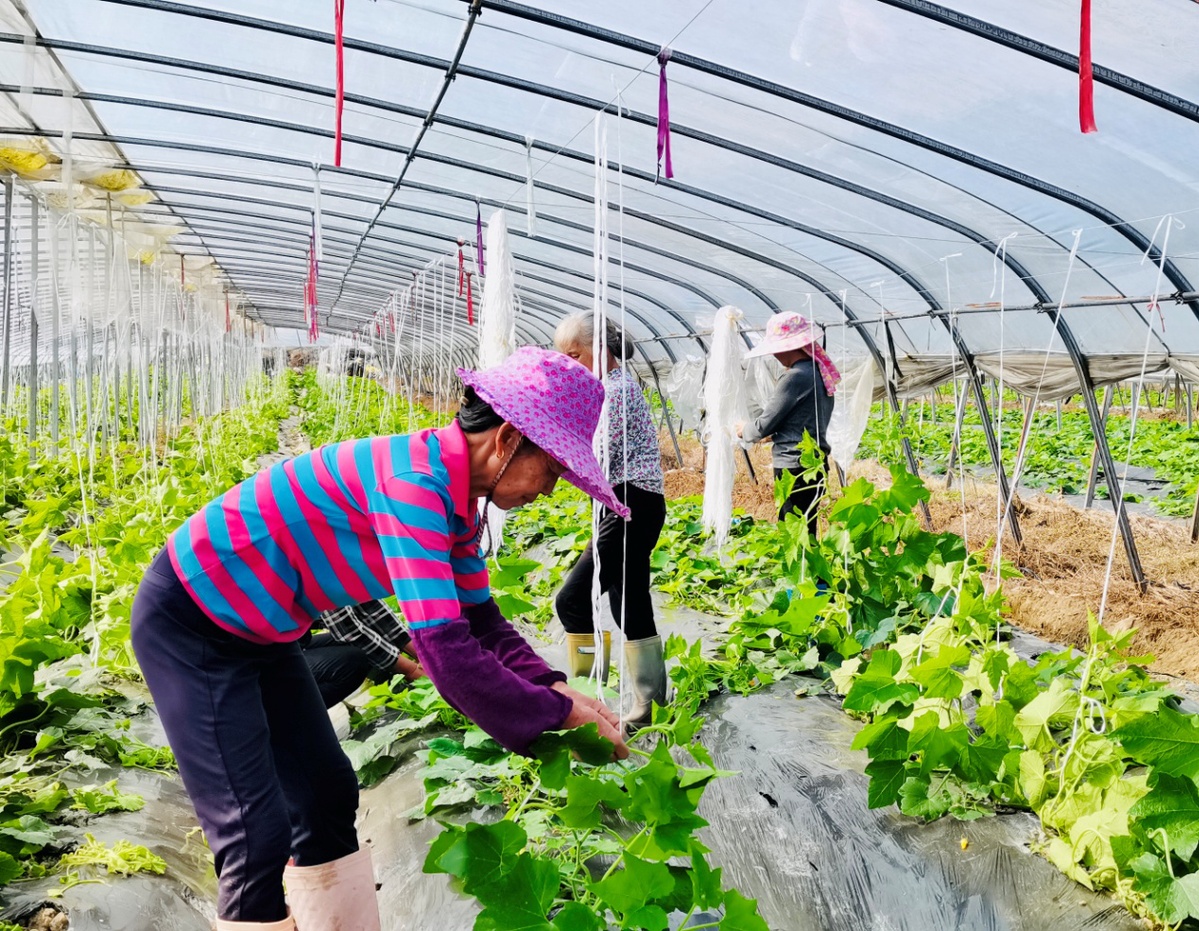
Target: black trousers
[[255, 747], [338, 668], [804, 498], [627, 588]]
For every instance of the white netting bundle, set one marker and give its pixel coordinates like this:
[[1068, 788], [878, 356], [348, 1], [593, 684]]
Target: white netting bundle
[[725, 407]]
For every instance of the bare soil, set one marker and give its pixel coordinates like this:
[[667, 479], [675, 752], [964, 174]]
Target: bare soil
[[1063, 559]]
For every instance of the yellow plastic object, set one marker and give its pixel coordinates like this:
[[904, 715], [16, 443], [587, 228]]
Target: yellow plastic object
[[114, 180], [21, 161], [135, 198]]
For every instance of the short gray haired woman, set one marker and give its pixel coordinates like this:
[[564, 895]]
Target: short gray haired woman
[[624, 547]]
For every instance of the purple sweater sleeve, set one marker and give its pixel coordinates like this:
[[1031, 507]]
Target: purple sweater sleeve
[[480, 684], [489, 626]]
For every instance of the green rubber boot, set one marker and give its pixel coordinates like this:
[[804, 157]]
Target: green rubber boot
[[645, 667]]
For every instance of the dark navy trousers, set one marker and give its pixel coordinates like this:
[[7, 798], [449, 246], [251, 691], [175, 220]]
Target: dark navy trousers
[[256, 751]]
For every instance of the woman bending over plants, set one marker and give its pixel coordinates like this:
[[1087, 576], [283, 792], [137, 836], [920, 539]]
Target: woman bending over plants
[[218, 613]]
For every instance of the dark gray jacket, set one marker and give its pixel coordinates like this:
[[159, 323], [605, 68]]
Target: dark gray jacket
[[800, 402]]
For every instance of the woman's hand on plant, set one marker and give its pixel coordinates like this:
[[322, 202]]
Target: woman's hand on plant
[[589, 710], [593, 703], [408, 669]]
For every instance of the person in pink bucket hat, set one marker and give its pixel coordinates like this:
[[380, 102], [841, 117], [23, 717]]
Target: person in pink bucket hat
[[802, 403], [217, 616]]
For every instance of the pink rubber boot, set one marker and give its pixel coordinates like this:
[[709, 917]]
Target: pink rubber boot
[[287, 924], [335, 896]]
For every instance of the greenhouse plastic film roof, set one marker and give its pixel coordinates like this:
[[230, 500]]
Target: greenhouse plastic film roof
[[863, 161]]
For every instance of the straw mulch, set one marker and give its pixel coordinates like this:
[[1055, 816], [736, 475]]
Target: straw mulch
[[1063, 561]]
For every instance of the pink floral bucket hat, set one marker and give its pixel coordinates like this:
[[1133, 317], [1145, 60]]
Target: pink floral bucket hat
[[556, 403], [790, 330]]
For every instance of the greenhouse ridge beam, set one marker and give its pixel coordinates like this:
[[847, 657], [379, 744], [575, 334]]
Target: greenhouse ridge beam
[[1125, 229], [1049, 54]]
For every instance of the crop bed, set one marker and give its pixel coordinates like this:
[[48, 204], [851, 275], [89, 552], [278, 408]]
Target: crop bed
[[900, 626]]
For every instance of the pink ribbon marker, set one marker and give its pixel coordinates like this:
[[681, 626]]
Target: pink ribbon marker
[[664, 115]]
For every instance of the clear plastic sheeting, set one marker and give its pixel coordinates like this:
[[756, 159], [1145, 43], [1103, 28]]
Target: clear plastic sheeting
[[821, 164], [794, 828]]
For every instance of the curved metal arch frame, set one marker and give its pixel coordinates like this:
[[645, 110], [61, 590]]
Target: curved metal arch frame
[[439, 64], [1058, 322], [960, 229], [703, 295], [574, 99], [1042, 51], [621, 40], [544, 215]]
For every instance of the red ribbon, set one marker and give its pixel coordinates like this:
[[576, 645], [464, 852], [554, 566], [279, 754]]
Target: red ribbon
[[339, 9], [461, 270], [470, 302], [1086, 81], [664, 114]]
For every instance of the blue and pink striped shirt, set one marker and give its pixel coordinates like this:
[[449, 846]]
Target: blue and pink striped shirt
[[343, 524], [360, 520]]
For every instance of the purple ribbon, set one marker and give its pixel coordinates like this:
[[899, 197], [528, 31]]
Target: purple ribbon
[[479, 236], [664, 114]]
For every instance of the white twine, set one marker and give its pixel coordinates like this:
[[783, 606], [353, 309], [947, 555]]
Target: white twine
[[599, 355], [1169, 222]]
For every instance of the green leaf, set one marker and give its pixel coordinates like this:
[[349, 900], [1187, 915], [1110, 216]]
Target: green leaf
[[647, 918], [940, 747], [510, 605], [914, 799], [1173, 899], [448, 837], [1172, 808], [555, 749], [1033, 784], [875, 688], [30, 834], [10, 868], [883, 740], [584, 797], [1052, 709], [937, 674], [102, 799], [1167, 740], [638, 883], [705, 882], [482, 852], [519, 899], [575, 916], [886, 779], [741, 914]]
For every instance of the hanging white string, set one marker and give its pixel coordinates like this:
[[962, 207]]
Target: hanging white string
[[960, 416], [530, 203], [318, 234], [1168, 221], [999, 267], [1032, 408], [599, 355], [624, 399]]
